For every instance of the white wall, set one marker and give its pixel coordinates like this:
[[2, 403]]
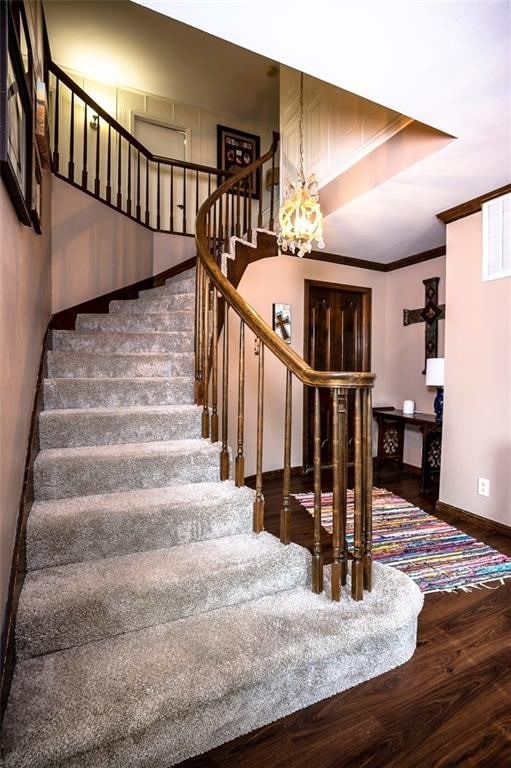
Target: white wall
[[25, 307], [94, 249], [477, 408]]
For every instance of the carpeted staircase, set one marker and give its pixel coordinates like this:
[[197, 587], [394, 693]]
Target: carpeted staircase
[[153, 625]]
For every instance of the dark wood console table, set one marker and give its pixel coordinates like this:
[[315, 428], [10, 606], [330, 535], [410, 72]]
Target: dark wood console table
[[391, 431]]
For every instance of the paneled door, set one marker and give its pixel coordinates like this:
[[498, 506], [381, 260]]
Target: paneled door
[[337, 329]]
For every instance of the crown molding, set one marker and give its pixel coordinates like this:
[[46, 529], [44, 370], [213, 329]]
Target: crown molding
[[471, 206], [377, 266]]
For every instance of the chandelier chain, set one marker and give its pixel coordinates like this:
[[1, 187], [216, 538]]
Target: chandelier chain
[[300, 130]]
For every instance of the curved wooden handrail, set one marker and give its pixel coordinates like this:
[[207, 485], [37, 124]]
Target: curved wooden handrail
[[253, 320]]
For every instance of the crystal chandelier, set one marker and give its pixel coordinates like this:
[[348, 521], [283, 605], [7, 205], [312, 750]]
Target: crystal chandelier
[[300, 217]]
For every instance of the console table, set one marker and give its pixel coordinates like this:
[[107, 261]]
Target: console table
[[391, 429]]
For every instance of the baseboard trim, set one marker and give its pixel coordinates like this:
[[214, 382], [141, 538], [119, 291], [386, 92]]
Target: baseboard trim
[[66, 318], [274, 474], [490, 526], [412, 469], [18, 565]]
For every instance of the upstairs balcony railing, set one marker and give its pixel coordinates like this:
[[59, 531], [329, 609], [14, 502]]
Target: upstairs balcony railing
[[227, 213], [94, 152]]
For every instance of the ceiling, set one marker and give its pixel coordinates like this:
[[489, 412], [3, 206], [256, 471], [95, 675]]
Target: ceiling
[[446, 64]]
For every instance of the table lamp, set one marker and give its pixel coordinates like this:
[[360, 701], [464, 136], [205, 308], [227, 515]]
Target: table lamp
[[435, 378]]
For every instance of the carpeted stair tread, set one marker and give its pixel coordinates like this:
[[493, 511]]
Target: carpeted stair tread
[[121, 341], [75, 604], [169, 303], [175, 287], [188, 274], [62, 472], [159, 695], [74, 427], [117, 392], [107, 365], [141, 323], [69, 530]]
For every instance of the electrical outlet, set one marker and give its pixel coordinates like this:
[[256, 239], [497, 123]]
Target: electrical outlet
[[483, 486]]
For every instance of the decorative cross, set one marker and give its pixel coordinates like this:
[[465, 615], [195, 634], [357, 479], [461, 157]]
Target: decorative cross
[[282, 325], [430, 314]]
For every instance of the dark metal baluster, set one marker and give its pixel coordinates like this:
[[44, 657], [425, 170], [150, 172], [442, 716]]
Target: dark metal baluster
[[171, 198], [317, 559], [272, 203], [109, 166], [226, 229], [196, 192], [147, 215], [71, 163], [220, 242], [158, 214], [85, 142], [258, 523], [260, 207], [209, 184], [224, 454], [56, 128], [119, 172], [357, 573], [205, 352], [198, 346], [336, 508], [214, 365], [238, 201], [233, 217], [215, 239], [138, 209], [96, 179], [285, 513], [240, 459], [368, 458], [128, 200], [249, 204], [245, 214], [184, 201]]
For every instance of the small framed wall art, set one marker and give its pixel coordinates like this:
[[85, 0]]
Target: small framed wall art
[[282, 321], [237, 150]]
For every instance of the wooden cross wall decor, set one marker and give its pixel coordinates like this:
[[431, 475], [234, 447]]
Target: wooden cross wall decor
[[430, 314]]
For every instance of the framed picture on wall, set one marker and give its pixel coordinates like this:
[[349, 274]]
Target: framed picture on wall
[[236, 150], [37, 186], [16, 125]]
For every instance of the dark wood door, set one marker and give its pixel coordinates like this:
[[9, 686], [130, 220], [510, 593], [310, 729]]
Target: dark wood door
[[337, 322]]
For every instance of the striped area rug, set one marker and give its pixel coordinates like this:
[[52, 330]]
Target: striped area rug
[[437, 556]]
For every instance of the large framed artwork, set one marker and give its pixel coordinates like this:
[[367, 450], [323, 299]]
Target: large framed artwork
[[236, 150], [16, 125]]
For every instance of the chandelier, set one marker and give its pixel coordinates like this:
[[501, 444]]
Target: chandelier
[[300, 217]]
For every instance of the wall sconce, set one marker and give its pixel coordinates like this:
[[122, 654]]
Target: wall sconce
[[435, 378], [94, 123]]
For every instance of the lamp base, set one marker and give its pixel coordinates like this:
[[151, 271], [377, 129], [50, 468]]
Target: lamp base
[[438, 404]]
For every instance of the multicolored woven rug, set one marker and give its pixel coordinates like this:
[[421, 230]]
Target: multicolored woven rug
[[437, 556]]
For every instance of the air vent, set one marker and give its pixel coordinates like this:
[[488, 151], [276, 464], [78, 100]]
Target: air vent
[[497, 238]]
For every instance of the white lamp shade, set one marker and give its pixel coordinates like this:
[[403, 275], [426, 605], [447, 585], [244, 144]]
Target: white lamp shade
[[435, 372]]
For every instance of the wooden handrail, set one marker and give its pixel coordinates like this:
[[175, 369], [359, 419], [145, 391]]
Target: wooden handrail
[[121, 130], [219, 219], [253, 320]]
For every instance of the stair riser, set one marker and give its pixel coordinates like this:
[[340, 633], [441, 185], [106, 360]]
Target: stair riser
[[61, 430], [103, 531], [97, 393], [140, 597], [183, 286], [61, 478], [181, 302], [122, 343], [76, 365], [170, 321]]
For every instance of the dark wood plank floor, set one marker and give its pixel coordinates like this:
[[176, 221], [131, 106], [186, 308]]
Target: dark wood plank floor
[[449, 706]]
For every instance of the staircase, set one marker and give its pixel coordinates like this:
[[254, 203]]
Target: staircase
[[153, 624]]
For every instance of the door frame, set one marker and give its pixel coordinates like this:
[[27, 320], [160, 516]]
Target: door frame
[[365, 342]]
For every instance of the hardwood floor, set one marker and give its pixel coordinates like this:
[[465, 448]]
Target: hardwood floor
[[450, 705]]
